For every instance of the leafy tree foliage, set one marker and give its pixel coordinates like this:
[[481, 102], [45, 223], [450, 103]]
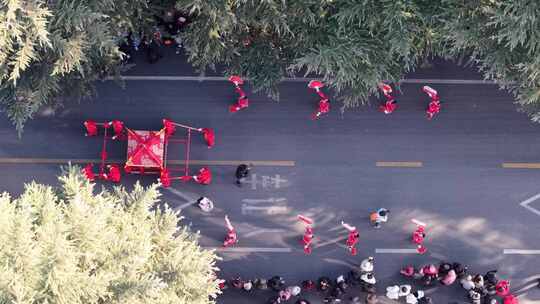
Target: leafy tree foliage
[[72, 245], [355, 44], [503, 39], [52, 51]]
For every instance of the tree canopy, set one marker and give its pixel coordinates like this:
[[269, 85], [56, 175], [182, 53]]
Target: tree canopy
[[355, 44], [74, 244]]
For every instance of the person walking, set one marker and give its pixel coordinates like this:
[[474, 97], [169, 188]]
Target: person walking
[[242, 171], [378, 217], [352, 238], [308, 234], [231, 238]]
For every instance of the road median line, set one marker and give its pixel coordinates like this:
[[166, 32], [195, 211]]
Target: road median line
[[45, 161], [399, 164], [521, 165]]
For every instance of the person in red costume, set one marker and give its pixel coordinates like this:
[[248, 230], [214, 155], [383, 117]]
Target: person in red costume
[[169, 126], [118, 128], [352, 238], [209, 137], [164, 178], [204, 177], [390, 105], [114, 173], [242, 102], [308, 233], [91, 128], [324, 102], [231, 238], [419, 236], [434, 106], [502, 288], [89, 173]]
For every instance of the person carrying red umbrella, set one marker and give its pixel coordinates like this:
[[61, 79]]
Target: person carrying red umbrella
[[308, 234], [91, 128], [204, 177], [352, 238], [418, 236], [434, 107], [324, 103], [231, 238], [390, 105], [242, 102]]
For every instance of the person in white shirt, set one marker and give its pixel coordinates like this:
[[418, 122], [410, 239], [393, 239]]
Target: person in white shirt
[[367, 265]]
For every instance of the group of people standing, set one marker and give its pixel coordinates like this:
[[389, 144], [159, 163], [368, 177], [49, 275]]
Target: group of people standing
[[487, 289], [329, 290]]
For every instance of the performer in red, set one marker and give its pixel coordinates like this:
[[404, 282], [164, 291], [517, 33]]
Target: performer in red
[[353, 237], [242, 102], [91, 128], [434, 106], [209, 137], [502, 288], [324, 103], [419, 236], [204, 177], [114, 173], [169, 126], [231, 238], [390, 105], [164, 178], [308, 234], [118, 127], [89, 173]]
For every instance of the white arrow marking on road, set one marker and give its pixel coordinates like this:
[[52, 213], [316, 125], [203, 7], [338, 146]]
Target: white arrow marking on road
[[269, 200], [250, 249], [526, 203], [189, 198], [521, 251], [261, 231], [272, 210], [395, 250]]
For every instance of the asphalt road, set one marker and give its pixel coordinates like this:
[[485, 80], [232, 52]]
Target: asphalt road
[[469, 201]]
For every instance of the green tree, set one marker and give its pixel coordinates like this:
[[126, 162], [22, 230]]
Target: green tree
[[503, 39], [351, 44], [54, 51], [74, 244]]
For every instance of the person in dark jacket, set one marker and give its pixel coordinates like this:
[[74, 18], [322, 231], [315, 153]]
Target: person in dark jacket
[[153, 52], [242, 171]]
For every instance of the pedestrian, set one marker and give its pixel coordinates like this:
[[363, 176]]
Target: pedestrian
[[378, 217], [153, 51], [368, 280], [284, 295], [247, 286], [478, 281], [231, 234], [294, 290], [260, 284], [414, 297], [323, 108], [242, 101], [91, 128], [467, 282], [308, 233], [434, 106], [510, 299], [242, 171], [449, 278], [308, 285], [418, 236], [367, 265], [89, 173], [392, 292], [404, 290], [352, 238], [205, 204], [461, 270], [276, 283], [371, 298], [324, 284], [502, 288], [204, 177]]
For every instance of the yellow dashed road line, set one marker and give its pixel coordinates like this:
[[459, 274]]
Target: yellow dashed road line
[[399, 164]]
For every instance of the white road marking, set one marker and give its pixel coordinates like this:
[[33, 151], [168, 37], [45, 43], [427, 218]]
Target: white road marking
[[521, 251], [298, 79], [395, 250], [189, 198], [525, 204], [181, 207], [271, 210], [270, 200], [251, 249], [261, 231]]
